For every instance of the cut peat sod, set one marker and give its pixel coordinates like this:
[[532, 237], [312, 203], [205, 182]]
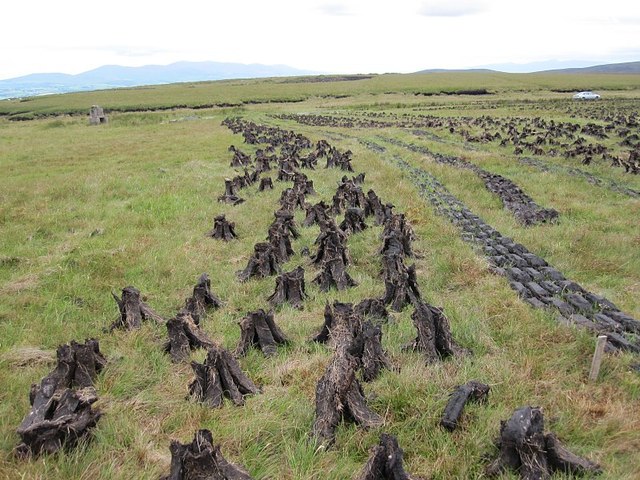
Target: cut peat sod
[[263, 263], [353, 221], [223, 229], [339, 397], [289, 289], [385, 462], [258, 329], [230, 193], [266, 183], [434, 337], [400, 282], [202, 299], [374, 309], [341, 325], [133, 310], [333, 257], [61, 414], [220, 376], [202, 460], [367, 348], [184, 336], [316, 214], [525, 448], [471, 391], [344, 327]]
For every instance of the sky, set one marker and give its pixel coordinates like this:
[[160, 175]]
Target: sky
[[329, 36]]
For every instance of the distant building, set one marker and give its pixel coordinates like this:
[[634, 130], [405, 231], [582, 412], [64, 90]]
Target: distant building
[[97, 116]]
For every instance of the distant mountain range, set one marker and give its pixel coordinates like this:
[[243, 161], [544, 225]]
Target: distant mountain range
[[551, 67], [114, 76], [628, 67]]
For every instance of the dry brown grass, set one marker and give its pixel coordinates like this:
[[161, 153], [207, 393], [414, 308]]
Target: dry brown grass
[[28, 357]]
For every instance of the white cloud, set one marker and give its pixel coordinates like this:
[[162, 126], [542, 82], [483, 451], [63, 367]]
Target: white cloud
[[335, 9], [342, 36], [452, 8]]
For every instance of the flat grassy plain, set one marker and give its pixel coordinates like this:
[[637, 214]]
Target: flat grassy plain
[[86, 211], [277, 90]]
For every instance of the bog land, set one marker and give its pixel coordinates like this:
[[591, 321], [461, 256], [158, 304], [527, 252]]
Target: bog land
[[494, 233]]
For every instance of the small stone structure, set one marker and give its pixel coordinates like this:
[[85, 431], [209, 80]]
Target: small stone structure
[[97, 116]]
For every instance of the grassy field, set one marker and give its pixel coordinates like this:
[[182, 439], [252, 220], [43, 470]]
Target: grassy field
[[399, 88], [86, 211]]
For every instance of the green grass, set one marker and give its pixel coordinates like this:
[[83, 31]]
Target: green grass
[[238, 93], [88, 210]]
